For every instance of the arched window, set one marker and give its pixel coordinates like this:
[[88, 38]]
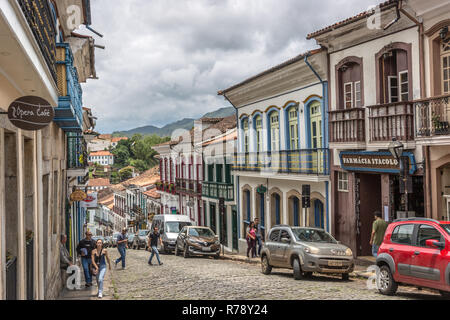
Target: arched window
[[259, 136], [349, 73], [246, 135], [445, 65], [292, 114], [274, 131]]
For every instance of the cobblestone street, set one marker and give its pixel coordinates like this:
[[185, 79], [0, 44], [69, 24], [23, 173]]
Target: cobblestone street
[[201, 278]]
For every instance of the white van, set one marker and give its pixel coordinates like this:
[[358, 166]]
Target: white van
[[169, 226]]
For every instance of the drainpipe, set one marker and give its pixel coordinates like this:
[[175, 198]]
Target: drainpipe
[[324, 126]]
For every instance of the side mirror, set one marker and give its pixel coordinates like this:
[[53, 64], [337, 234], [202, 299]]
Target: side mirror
[[285, 240], [435, 244]]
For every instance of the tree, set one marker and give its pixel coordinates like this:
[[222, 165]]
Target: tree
[[139, 164], [125, 174]]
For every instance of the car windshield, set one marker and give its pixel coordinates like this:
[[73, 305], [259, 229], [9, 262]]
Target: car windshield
[[143, 232], [175, 226], [201, 232], [312, 235], [446, 227]]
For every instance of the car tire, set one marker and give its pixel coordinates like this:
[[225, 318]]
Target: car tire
[[345, 276], [445, 294], [298, 275], [265, 266], [385, 281], [217, 256], [185, 252]]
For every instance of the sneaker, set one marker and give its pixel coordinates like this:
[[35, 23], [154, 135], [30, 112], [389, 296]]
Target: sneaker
[[100, 295], [150, 264], [115, 264], [160, 263]]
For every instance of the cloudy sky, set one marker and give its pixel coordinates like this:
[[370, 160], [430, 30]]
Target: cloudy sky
[[165, 60]]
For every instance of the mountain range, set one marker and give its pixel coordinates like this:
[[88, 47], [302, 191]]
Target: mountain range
[[167, 130]]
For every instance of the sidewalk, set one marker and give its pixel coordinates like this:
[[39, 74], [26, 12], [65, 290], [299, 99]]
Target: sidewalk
[[360, 271]]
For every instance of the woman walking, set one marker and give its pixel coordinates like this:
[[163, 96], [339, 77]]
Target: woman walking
[[251, 240], [99, 257]]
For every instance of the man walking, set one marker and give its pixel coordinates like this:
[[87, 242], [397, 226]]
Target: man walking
[[122, 245], [84, 249], [153, 243], [259, 236], [378, 229]]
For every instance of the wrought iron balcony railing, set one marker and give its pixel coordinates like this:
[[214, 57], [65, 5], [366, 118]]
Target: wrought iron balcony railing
[[218, 190], [433, 116], [188, 186], [303, 161]]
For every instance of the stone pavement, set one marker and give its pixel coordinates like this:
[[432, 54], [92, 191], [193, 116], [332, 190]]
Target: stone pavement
[[200, 278]]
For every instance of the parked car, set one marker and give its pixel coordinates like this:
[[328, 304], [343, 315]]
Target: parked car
[[107, 243], [197, 241], [305, 250], [130, 240], [140, 239], [114, 239], [415, 252], [169, 226]]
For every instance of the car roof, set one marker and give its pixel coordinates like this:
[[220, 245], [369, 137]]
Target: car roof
[[173, 217]]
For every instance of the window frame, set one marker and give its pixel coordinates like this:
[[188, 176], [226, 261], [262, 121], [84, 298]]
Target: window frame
[[444, 54], [399, 83], [390, 87], [341, 180], [350, 85], [413, 234], [293, 123], [274, 131], [360, 94], [417, 242], [278, 237]]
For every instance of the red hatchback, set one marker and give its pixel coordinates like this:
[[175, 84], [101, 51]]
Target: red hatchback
[[415, 251]]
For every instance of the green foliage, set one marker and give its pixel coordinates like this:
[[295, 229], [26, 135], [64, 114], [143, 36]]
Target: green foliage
[[125, 174]]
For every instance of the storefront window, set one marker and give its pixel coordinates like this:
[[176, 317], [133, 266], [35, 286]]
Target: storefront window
[[343, 181]]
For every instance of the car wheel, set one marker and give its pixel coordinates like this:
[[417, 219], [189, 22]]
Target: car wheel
[[445, 294], [386, 283], [265, 266], [217, 256], [185, 252], [345, 276], [297, 269]]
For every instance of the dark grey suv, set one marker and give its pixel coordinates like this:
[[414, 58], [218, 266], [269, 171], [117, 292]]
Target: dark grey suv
[[305, 250]]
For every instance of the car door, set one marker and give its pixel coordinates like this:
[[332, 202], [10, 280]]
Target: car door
[[284, 247], [428, 264], [272, 245], [180, 239], [401, 249]]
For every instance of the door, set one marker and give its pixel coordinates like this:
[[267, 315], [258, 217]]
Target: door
[[318, 214], [316, 137], [212, 217], [284, 247], [428, 264], [401, 250], [235, 229], [272, 244]]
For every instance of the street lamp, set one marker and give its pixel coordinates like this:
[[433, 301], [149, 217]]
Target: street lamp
[[396, 148]]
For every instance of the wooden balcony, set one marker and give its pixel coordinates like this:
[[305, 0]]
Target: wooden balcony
[[432, 116], [304, 161], [392, 120], [347, 125], [188, 186]]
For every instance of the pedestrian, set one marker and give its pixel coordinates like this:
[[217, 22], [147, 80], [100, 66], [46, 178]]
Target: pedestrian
[[84, 249], [153, 243], [65, 260], [379, 227], [259, 236], [122, 245], [99, 258], [251, 240]]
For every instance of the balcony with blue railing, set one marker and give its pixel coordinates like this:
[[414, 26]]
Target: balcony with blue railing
[[299, 162], [69, 114], [76, 155]]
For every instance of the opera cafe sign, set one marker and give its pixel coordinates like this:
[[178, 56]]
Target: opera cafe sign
[[30, 113], [369, 161]]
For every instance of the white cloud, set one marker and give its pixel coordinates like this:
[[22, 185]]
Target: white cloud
[[166, 59]]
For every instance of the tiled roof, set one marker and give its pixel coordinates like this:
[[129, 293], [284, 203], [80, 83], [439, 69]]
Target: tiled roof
[[107, 200], [148, 177], [99, 182], [105, 136], [273, 69], [153, 194], [228, 137], [383, 6], [100, 153], [118, 139]]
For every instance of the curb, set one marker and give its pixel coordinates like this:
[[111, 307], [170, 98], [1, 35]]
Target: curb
[[240, 259]]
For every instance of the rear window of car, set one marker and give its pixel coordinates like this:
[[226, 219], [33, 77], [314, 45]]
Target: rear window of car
[[403, 234]]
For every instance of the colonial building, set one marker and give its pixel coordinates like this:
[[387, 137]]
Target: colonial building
[[282, 145], [98, 184], [38, 169], [376, 74], [104, 158]]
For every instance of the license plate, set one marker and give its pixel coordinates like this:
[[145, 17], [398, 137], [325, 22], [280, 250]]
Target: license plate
[[332, 263], [207, 249]]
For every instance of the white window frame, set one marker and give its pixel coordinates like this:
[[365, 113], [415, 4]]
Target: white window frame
[[275, 132], [350, 85], [400, 93], [360, 96], [342, 180], [390, 87]]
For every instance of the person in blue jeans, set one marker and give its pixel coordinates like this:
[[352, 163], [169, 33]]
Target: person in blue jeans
[[153, 243], [259, 236], [84, 249], [99, 258], [122, 245]]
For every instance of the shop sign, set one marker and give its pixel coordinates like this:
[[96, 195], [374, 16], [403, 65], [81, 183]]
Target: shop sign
[[30, 113], [90, 201], [78, 195], [374, 161]]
